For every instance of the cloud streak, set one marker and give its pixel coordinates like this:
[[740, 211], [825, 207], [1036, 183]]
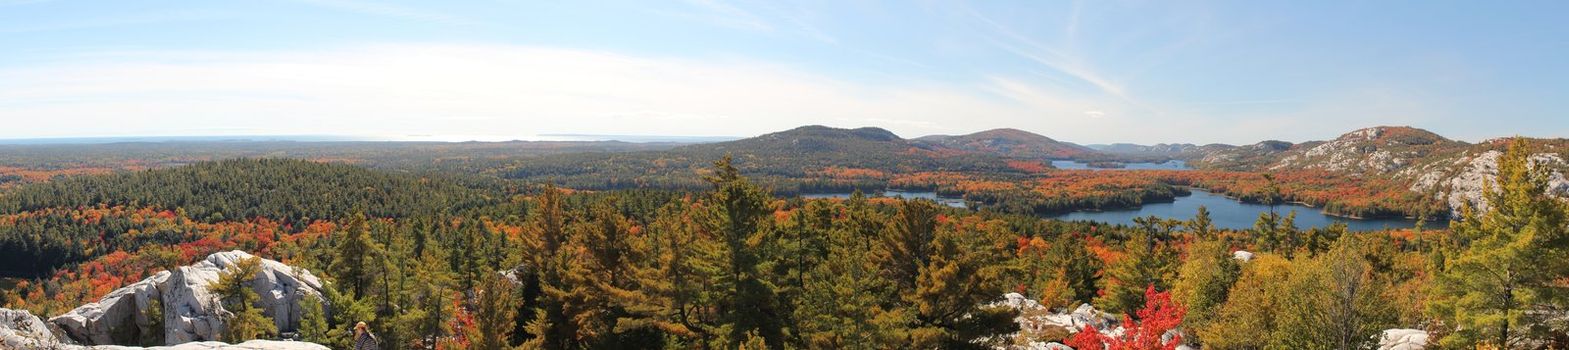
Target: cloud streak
[[394, 11], [484, 91]]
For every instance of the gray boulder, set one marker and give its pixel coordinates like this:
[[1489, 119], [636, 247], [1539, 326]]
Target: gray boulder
[[189, 312], [1402, 339], [19, 329], [121, 317]]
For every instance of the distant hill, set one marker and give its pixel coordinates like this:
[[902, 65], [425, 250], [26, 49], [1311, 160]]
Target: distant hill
[[805, 159], [1375, 150], [813, 139], [1428, 164], [1013, 143]]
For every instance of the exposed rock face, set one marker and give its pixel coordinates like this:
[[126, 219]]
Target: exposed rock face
[[1478, 172], [19, 329], [1035, 319], [1402, 339], [121, 314], [190, 312]]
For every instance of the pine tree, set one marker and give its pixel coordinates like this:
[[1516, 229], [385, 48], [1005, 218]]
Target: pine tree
[[1511, 259], [1148, 259], [357, 257], [494, 312], [736, 214], [1075, 275], [245, 320], [1201, 226], [676, 279], [907, 242], [557, 267], [313, 321]]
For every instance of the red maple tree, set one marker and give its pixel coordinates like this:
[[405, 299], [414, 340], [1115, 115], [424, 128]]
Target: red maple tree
[[1158, 316]]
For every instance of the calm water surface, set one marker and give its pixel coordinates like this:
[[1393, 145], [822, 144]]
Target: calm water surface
[[1232, 214]]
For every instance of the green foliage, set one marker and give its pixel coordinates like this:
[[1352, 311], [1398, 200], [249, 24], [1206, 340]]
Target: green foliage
[[288, 190], [357, 258], [245, 320], [1203, 283], [1149, 259], [313, 321], [1509, 260], [495, 312]]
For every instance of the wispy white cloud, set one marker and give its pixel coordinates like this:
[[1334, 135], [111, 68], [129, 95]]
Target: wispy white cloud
[[127, 19], [1249, 102], [725, 14], [800, 20], [394, 11], [1058, 59], [496, 91]]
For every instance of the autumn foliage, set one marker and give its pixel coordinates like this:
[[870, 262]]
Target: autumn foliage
[[1158, 317]]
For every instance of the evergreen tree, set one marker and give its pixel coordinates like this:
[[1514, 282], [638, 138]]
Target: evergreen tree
[[736, 214], [245, 320], [357, 257], [555, 264], [1075, 272], [313, 321], [907, 242], [1511, 260], [494, 313], [1148, 259], [1201, 226]]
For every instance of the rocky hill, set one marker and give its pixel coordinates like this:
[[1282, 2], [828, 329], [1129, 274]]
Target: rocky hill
[[190, 314], [1447, 170]]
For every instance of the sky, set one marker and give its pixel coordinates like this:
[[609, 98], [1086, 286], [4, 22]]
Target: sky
[[1084, 71]]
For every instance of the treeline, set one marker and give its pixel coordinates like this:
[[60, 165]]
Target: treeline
[[729, 268], [733, 267], [293, 191]]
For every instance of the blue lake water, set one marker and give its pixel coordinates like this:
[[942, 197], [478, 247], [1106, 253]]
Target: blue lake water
[[1232, 214], [948, 201], [1168, 165]]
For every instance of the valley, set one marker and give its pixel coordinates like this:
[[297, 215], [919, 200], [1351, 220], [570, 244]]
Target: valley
[[1033, 216]]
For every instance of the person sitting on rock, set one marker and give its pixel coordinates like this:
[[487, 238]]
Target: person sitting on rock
[[363, 339]]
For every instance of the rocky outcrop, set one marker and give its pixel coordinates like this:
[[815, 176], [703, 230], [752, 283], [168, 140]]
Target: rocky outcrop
[[19, 329], [1242, 255], [1466, 187], [1402, 339], [1036, 320], [189, 313], [121, 317]]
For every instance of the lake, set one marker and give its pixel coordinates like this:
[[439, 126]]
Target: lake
[[1168, 165], [1232, 214], [948, 201]]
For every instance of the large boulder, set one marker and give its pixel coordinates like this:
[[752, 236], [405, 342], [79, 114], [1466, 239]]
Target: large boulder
[[121, 317], [190, 313], [1402, 339], [19, 329]]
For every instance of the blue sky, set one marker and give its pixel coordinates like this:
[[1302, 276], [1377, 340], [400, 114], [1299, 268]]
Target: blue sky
[[1089, 72]]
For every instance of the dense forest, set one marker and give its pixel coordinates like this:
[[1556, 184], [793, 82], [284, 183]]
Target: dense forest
[[452, 262]]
